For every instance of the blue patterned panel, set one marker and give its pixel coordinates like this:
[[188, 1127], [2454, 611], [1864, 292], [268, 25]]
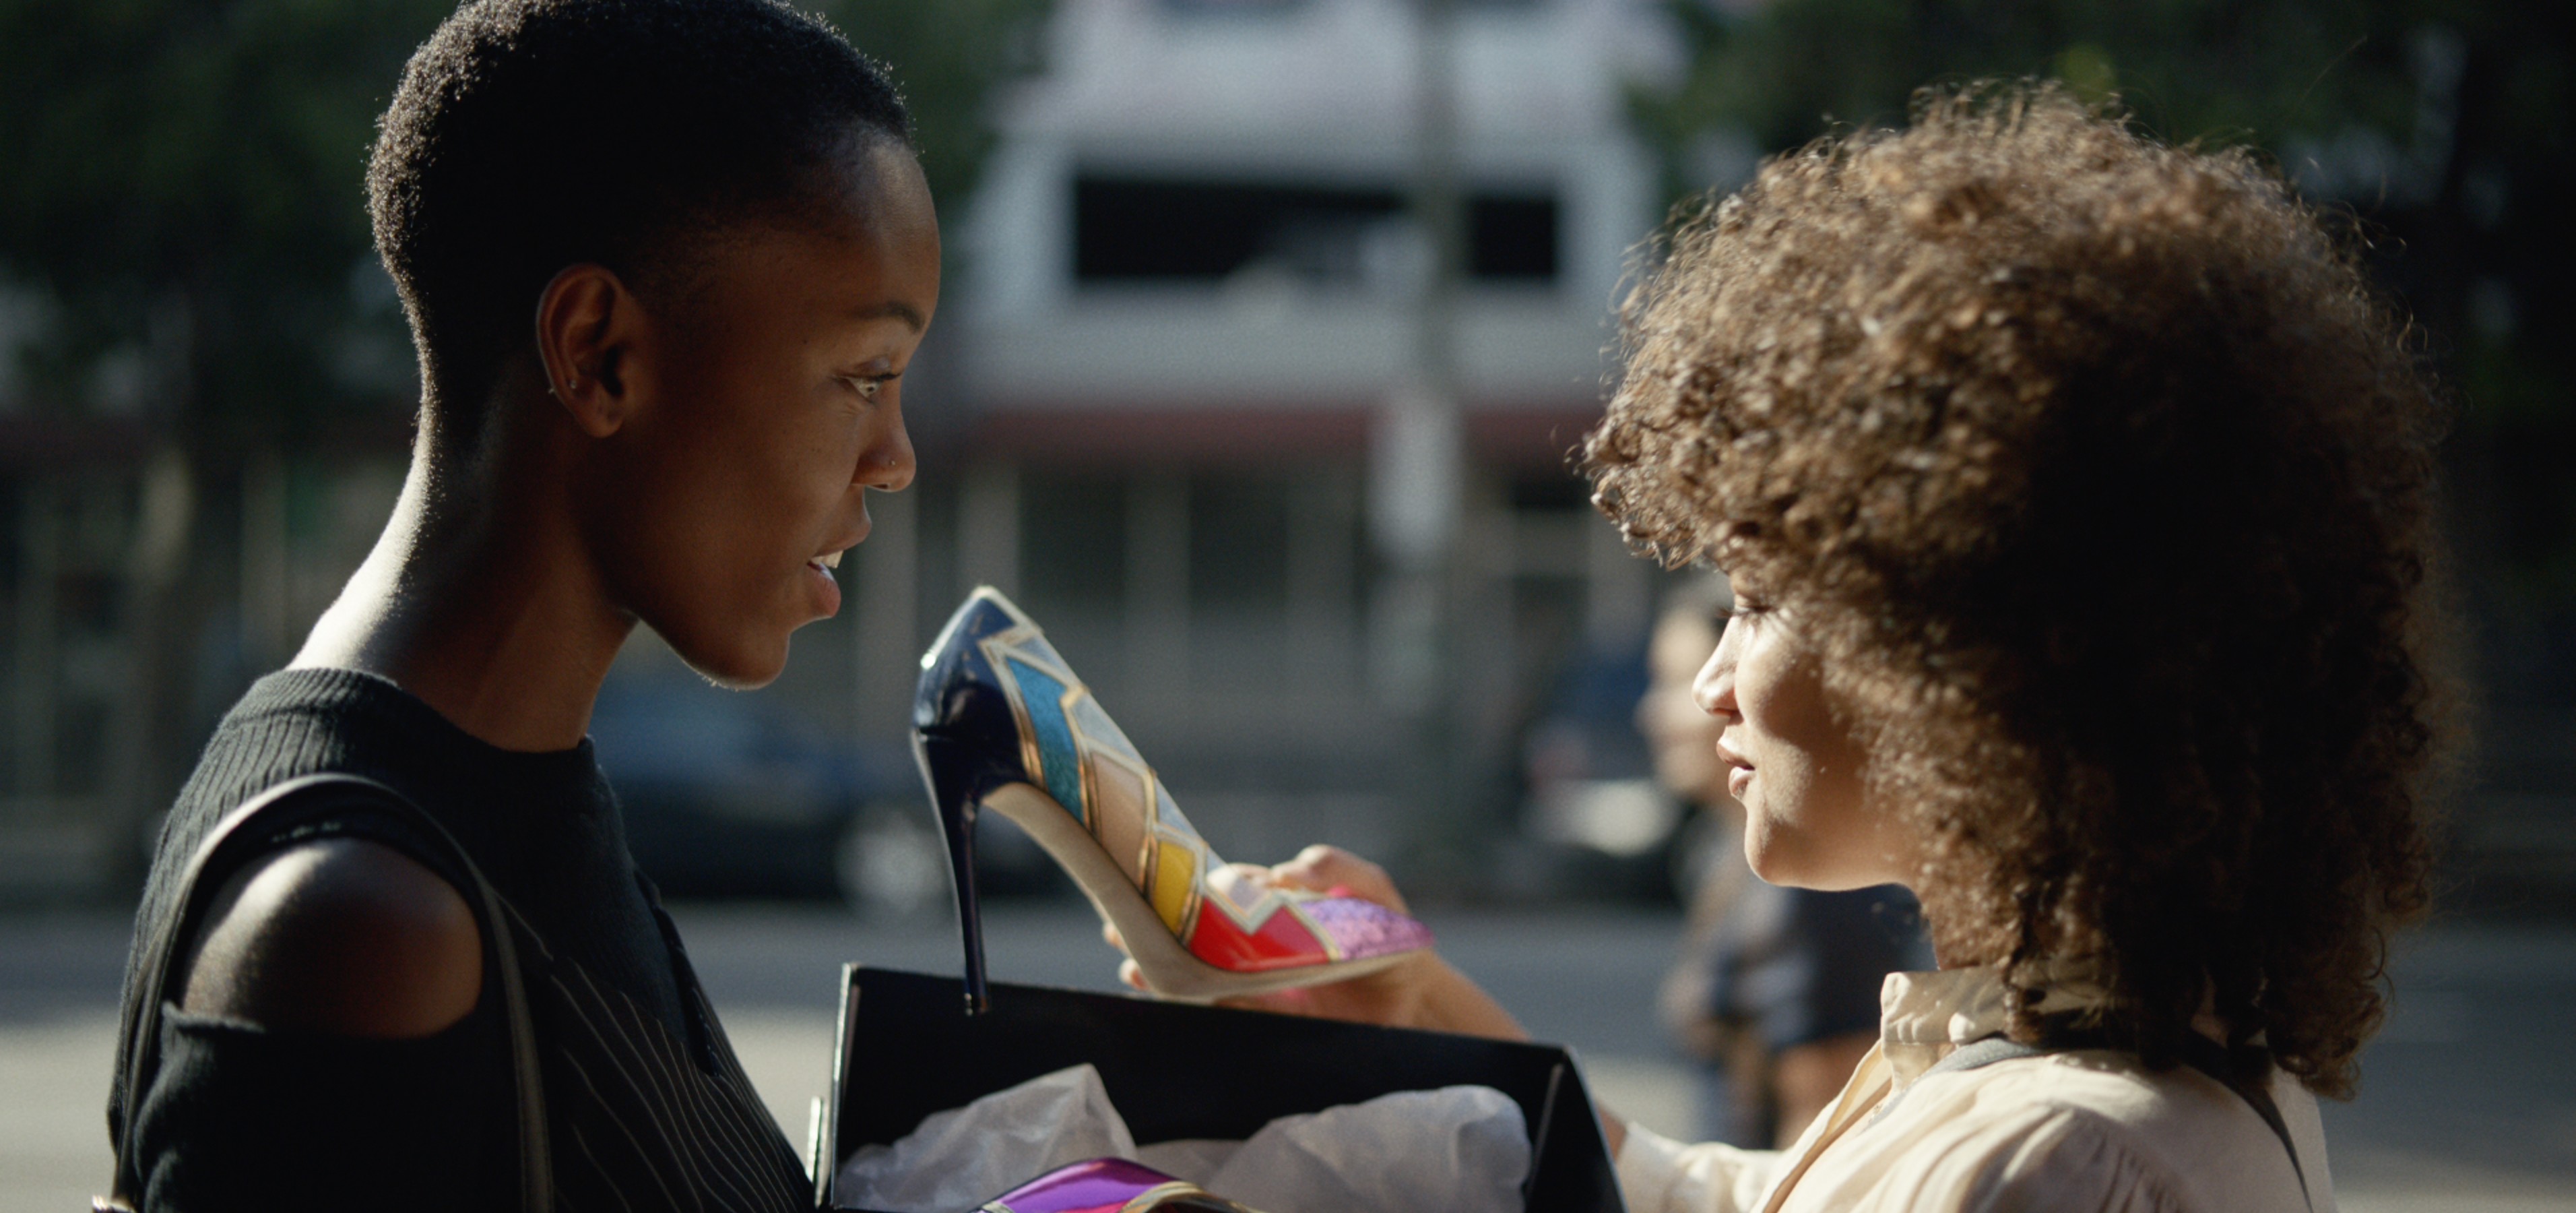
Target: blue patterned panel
[[1044, 697]]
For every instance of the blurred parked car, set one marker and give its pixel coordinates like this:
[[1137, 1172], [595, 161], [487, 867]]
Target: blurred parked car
[[727, 796], [1607, 830]]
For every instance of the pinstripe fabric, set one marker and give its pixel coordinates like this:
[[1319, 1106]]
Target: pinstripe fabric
[[645, 1121]]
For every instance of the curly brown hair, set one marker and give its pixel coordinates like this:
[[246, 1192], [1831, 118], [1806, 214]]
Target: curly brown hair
[[2103, 483]]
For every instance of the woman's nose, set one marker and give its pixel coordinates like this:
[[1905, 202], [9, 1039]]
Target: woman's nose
[[887, 463], [1714, 689]]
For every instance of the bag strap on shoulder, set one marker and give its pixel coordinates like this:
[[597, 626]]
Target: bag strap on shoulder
[[142, 1020]]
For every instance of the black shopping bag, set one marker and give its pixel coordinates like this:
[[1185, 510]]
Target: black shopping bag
[[907, 1049]]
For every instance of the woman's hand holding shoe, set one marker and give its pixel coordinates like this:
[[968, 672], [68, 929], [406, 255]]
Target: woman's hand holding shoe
[[1422, 992]]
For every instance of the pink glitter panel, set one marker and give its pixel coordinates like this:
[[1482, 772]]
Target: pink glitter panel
[[1103, 1185], [1364, 928]]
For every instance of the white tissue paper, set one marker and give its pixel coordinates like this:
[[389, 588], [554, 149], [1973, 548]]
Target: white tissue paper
[[960, 1158], [1457, 1149]]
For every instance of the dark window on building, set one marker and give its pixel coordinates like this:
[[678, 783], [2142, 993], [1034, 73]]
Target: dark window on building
[[1128, 230], [1512, 237]]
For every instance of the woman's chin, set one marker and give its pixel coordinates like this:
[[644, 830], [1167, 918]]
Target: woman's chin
[[1763, 853], [1824, 874], [1773, 870], [1788, 860], [741, 664]]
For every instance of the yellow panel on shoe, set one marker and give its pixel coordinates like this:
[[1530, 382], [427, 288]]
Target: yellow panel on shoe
[[1176, 875]]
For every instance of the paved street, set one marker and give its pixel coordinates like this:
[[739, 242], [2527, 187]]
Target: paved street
[[2469, 1103]]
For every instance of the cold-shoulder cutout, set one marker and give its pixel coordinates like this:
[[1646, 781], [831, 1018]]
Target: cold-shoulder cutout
[[341, 936]]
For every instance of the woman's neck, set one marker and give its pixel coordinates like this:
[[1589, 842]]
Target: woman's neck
[[480, 600]]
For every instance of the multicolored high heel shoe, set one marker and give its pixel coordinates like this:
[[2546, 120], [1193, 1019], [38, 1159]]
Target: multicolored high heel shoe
[[1108, 1185], [1001, 721]]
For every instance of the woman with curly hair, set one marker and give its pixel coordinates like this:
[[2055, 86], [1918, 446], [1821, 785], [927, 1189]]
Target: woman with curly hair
[[2076, 493]]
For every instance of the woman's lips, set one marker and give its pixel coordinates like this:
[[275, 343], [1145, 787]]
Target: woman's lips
[[827, 591], [1739, 773]]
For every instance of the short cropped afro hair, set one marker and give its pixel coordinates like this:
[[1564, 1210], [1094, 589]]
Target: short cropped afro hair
[[530, 135], [2103, 484]]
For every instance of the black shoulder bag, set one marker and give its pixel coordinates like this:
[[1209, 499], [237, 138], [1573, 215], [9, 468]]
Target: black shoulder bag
[[143, 1015]]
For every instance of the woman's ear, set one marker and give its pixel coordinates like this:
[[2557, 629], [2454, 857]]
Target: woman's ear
[[587, 324]]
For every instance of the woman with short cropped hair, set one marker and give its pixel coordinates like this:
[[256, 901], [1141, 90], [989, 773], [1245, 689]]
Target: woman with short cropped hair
[[665, 262]]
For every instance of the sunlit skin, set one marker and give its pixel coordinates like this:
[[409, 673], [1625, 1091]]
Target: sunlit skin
[[1683, 736], [1793, 762], [686, 457]]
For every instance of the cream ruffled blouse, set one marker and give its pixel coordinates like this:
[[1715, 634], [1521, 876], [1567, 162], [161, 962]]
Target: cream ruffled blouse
[[2085, 1130]]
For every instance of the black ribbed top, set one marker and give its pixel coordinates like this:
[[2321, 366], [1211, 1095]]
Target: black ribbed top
[[543, 827], [643, 1091]]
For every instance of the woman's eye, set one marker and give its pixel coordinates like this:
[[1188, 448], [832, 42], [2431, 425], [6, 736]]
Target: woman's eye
[[868, 387]]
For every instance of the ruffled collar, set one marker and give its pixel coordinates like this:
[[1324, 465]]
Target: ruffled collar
[[1923, 1016]]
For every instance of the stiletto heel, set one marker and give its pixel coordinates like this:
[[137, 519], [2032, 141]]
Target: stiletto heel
[[943, 765], [1002, 722]]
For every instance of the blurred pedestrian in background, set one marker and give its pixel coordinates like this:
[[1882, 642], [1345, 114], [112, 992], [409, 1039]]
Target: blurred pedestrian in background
[[1776, 989]]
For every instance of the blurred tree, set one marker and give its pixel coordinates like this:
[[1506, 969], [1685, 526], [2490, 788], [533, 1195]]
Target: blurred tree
[[952, 58], [2226, 70], [181, 185], [181, 181], [2439, 125], [182, 178]]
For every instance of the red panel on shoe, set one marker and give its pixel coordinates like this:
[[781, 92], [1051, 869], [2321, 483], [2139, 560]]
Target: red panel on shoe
[[1282, 942]]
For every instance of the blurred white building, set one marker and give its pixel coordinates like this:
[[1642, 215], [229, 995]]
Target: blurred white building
[[1190, 290], [1187, 298], [1199, 211]]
